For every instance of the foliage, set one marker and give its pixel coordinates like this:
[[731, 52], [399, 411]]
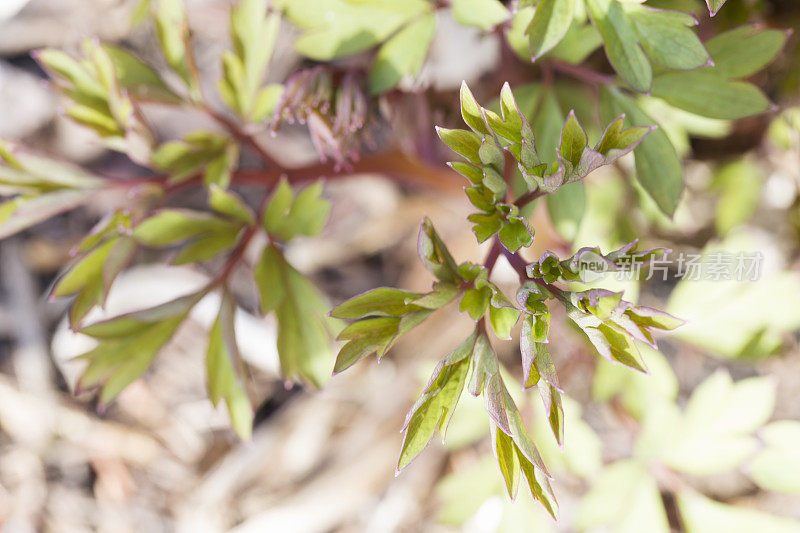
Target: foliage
[[538, 141]]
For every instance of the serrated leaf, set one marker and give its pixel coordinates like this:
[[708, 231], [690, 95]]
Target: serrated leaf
[[549, 25], [403, 54]]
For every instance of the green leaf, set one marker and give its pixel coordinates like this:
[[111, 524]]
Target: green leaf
[[714, 433], [253, 33], [472, 114], [434, 254], [116, 363], [269, 279], [288, 216], [383, 301], [706, 93], [198, 150], [225, 369], [549, 25], [403, 54], [209, 245], [475, 302], [667, 39], [140, 80], [443, 293], [573, 140], [230, 204], [172, 31], [739, 184], [304, 332], [339, 28], [83, 271], [658, 167], [171, 226], [714, 6], [623, 498], [700, 514], [621, 43], [434, 408], [566, 207], [136, 322], [23, 212], [745, 50], [484, 14], [777, 466]]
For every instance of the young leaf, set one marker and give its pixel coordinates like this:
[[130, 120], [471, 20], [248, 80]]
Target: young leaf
[[434, 254], [463, 142], [225, 369], [507, 459], [549, 25], [434, 408]]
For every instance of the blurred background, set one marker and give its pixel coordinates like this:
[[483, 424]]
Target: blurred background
[[699, 445]]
